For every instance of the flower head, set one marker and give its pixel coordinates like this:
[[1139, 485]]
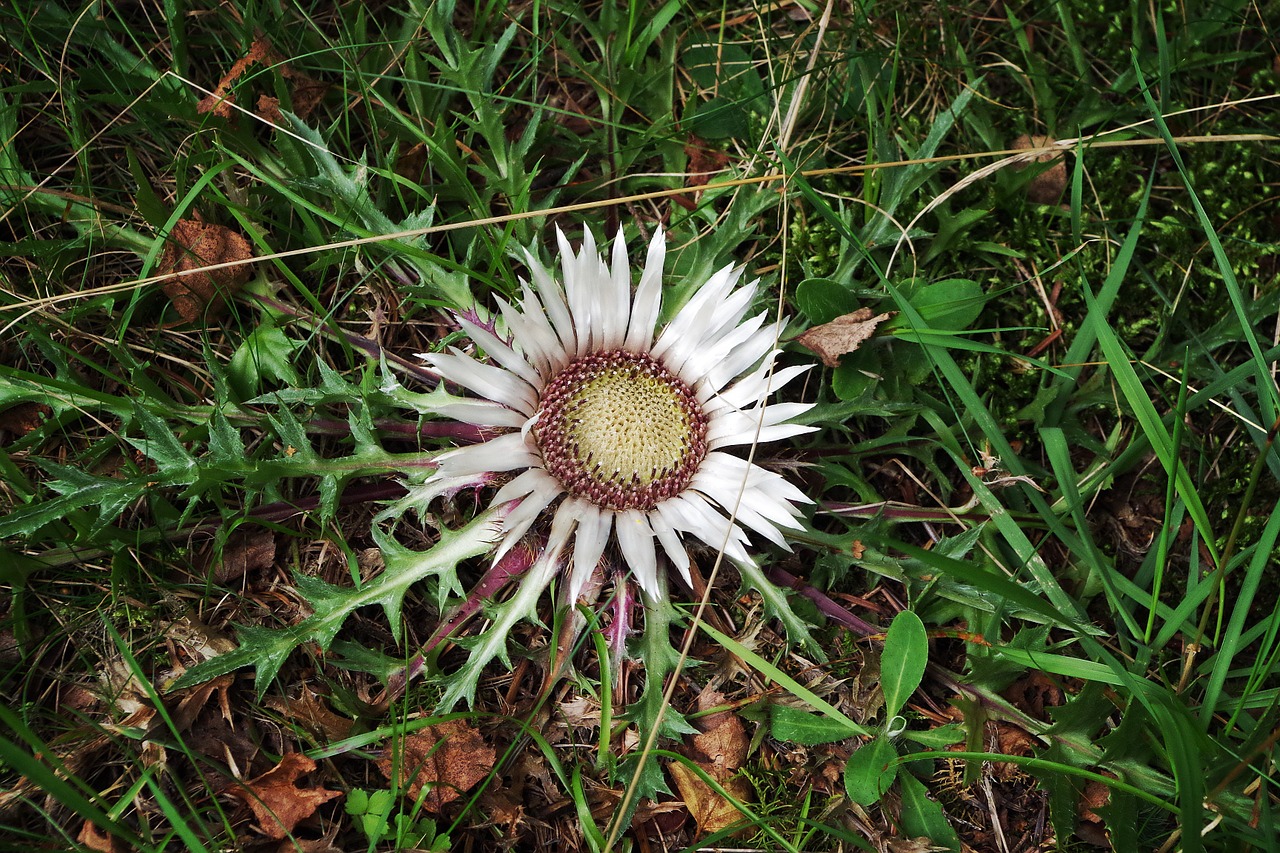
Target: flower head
[[621, 430]]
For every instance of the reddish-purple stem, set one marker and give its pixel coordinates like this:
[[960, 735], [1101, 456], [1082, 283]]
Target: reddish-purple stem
[[621, 607], [459, 432], [829, 607], [513, 564], [368, 347]]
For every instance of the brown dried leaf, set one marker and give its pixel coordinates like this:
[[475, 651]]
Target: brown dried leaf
[[505, 808], [195, 699], [213, 736], [1046, 187], [842, 335], [249, 549], [1090, 827], [221, 101], [197, 638], [412, 164], [721, 747], [10, 647], [269, 109], [23, 418], [911, 845], [703, 162], [95, 839], [305, 92], [277, 801], [448, 758], [576, 104], [310, 710], [711, 811], [581, 712], [193, 245], [308, 845], [1034, 693]]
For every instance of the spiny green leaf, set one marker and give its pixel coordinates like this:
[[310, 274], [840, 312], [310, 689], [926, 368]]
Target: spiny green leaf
[[493, 642], [292, 434], [324, 598], [160, 446], [267, 648], [333, 388], [330, 489], [225, 444], [660, 659], [106, 497], [777, 606], [398, 559]]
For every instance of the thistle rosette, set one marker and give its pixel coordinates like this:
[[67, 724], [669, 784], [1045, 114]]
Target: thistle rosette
[[608, 429]]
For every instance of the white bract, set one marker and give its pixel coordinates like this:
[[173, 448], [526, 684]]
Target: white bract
[[620, 430]]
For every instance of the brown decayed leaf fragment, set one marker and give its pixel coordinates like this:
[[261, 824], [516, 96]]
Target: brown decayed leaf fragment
[[448, 758], [192, 245], [842, 335], [277, 801], [22, 418], [220, 103], [269, 108], [305, 92], [1091, 827], [710, 811], [248, 549], [95, 839], [703, 162], [720, 750], [314, 714], [1046, 187], [722, 742]]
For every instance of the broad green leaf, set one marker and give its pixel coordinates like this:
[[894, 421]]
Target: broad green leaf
[[797, 726], [949, 305], [870, 771], [922, 816], [902, 663], [267, 354], [719, 118], [857, 374], [822, 300]]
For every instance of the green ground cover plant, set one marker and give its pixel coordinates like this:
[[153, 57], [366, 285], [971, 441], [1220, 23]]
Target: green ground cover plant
[[1029, 251]]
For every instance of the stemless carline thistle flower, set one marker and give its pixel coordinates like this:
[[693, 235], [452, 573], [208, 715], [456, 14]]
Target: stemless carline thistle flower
[[626, 429]]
